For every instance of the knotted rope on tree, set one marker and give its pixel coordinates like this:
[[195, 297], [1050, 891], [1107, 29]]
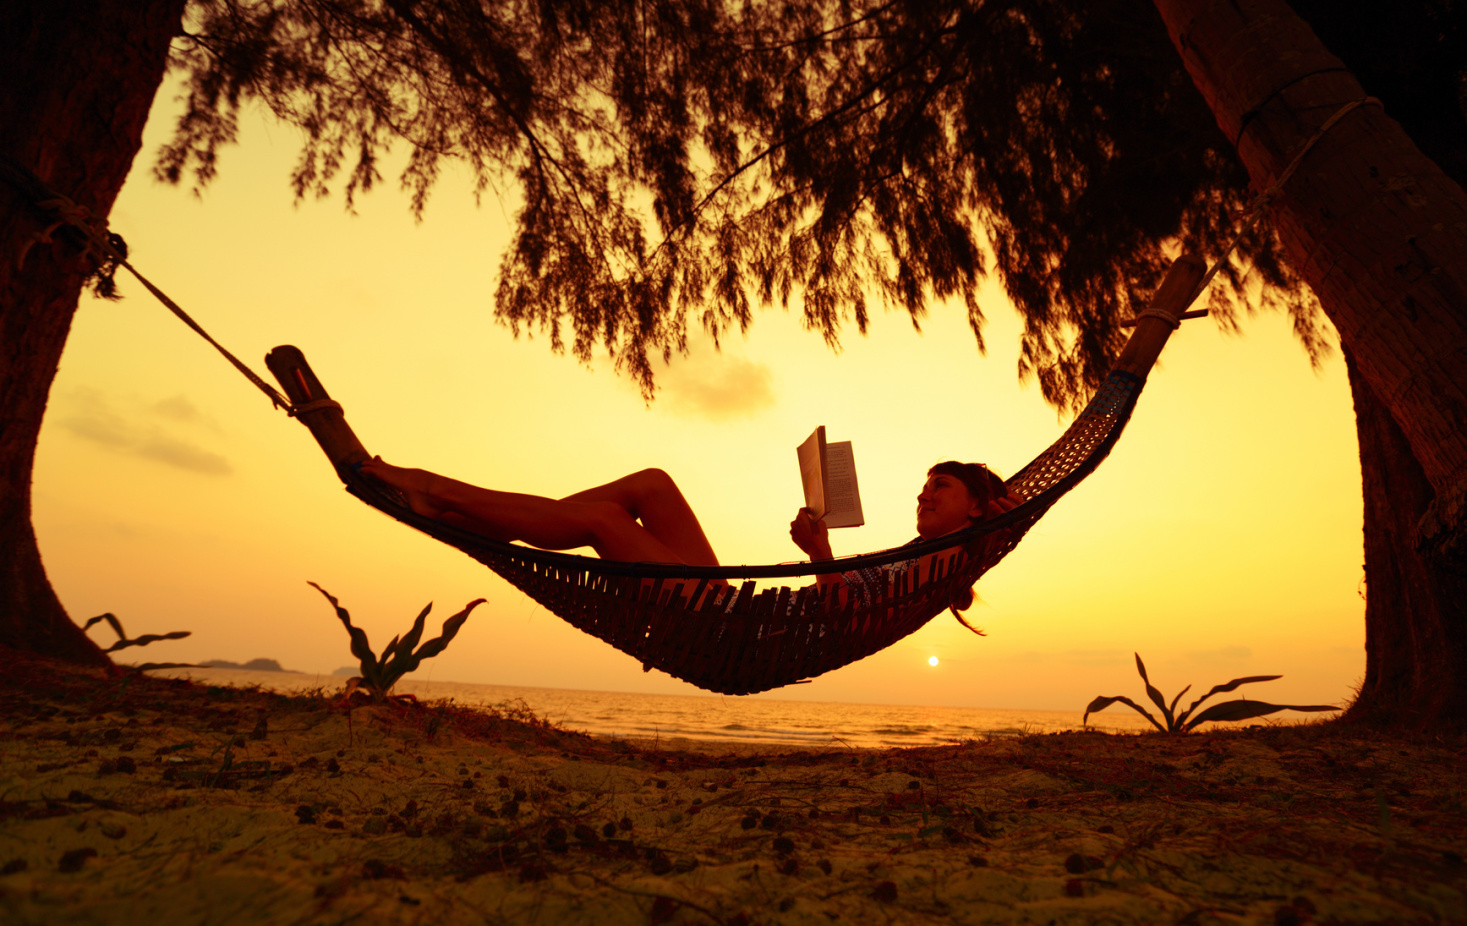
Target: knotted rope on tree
[[106, 251]]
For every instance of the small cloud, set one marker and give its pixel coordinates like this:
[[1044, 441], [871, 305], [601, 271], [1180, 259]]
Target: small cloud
[[1030, 656], [180, 409], [1228, 654], [98, 428], [182, 455], [713, 385], [1096, 657], [93, 418]]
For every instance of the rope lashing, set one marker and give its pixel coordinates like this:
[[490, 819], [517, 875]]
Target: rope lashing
[[1174, 321], [104, 247], [1256, 208], [305, 408], [1263, 199]]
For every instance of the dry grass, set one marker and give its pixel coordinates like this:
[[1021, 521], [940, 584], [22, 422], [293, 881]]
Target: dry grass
[[128, 799]]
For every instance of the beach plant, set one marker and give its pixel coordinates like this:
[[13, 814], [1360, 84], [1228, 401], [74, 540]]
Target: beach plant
[[123, 642], [1184, 722], [399, 657]]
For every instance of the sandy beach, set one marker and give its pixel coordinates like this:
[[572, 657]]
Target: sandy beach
[[128, 799]]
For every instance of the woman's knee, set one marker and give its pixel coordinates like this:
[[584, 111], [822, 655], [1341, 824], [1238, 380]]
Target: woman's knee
[[645, 492], [653, 477], [654, 483]]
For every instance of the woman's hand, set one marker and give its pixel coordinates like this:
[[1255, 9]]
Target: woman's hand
[[809, 534], [998, 506]]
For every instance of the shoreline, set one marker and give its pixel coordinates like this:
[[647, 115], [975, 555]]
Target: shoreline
[[712, 718], [128, 799]]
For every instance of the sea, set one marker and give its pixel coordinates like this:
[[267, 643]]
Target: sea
[[712, 718]]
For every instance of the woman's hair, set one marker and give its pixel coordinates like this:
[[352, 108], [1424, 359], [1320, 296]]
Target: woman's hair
[[981, 481], [985, 486]]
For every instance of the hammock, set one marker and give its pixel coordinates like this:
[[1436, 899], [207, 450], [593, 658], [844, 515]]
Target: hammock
[[735, 638]]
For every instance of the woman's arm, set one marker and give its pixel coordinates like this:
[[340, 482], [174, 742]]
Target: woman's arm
[[809, 534]]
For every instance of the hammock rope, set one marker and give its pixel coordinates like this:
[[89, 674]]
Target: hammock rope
[[109, 250], [1255, 209]]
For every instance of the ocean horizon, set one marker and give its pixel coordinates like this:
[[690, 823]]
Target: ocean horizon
[[711, 718]]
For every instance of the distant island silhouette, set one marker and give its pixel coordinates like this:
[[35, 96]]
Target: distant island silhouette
[[254, 665]]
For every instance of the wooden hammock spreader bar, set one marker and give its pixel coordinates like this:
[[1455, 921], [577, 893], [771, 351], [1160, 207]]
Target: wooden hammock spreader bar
[[315, 409], [1156, 324]]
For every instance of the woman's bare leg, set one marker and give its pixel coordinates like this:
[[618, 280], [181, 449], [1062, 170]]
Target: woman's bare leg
[[650, 496], [594, 518]]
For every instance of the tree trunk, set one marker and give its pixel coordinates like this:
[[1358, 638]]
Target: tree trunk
[[76, 80], [1414, 667], [1379, 233]]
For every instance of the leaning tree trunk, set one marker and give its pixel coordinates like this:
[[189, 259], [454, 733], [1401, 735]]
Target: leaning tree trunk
[[1410, 608], [1379, 233], [76, 80]]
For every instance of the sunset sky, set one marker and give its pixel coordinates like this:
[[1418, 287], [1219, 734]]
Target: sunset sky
[[1221, 538]]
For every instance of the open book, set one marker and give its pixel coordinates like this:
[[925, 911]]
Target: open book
[[828, 473]]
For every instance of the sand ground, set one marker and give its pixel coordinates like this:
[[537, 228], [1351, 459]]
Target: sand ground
[[125, 799]]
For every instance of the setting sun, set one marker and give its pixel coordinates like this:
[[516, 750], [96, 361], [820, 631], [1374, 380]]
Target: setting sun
[[932, 660]]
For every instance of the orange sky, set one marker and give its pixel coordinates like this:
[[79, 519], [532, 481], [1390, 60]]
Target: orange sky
[[1221, 538]]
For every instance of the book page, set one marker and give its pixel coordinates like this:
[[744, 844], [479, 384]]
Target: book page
[[842, 494], [811, 479]]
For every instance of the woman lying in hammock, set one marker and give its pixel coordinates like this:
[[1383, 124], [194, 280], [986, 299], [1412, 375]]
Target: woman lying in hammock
[[644, 517], [955, 497]]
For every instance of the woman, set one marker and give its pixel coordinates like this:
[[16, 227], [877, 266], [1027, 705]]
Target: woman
[[955, 497], [643, 517]]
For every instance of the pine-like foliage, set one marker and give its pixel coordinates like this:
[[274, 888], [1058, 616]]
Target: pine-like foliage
[[678, 162]]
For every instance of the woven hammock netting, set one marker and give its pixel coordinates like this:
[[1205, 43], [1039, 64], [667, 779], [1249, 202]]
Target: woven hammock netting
[[715, 628]]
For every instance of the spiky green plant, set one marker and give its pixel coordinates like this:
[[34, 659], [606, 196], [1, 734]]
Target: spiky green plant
[[401, 656], [1185, 721], [123, 642]]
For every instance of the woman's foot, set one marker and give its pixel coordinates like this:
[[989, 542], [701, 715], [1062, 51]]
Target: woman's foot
[[416, 485]]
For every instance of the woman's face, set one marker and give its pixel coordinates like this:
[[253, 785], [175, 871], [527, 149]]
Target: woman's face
[[945, 505]]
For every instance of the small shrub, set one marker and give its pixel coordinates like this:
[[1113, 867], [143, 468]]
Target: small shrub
[[399, 657], [1185, 722], [123, 642]]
